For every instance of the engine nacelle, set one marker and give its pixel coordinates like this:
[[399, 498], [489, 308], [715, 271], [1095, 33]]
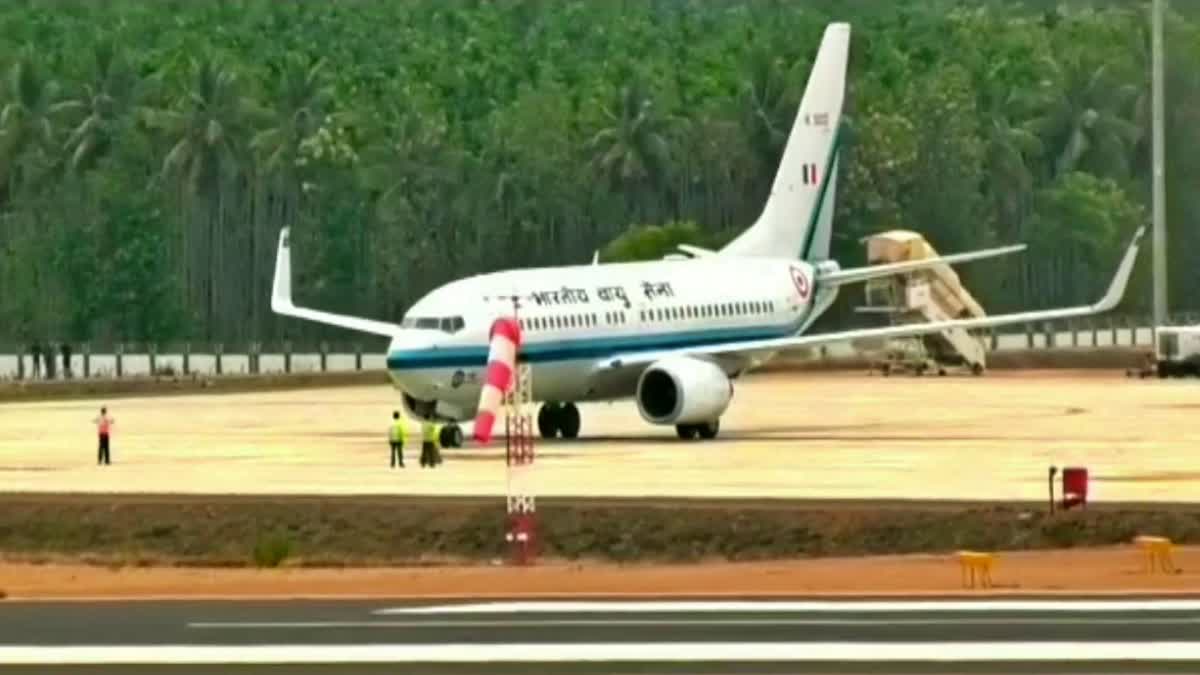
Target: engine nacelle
[[683, 390]]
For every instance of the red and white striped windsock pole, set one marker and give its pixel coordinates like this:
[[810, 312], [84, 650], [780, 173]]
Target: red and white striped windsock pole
[[501, 372]]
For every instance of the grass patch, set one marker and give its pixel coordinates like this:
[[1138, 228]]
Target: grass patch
[[372, 531], [272, 550]]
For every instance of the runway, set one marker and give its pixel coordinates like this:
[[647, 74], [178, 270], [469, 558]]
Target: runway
[[609, 636], [794, 435]]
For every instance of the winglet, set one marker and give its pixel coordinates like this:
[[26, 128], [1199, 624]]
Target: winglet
[[281, 289], [696, 251], [281, 298], [1116, 290]]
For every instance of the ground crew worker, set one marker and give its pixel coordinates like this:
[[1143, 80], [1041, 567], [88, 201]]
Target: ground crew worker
[[66, 357], [103, 427], [48, 356], [36, 350], [429, 444], [396, 439]]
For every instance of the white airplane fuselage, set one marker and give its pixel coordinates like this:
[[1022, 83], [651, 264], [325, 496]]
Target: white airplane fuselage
[[572, 317]]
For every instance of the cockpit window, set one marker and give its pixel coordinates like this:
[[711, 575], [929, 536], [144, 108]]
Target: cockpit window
[[449, 324]]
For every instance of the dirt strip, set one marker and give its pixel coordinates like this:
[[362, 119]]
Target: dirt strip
[[1090, 571]]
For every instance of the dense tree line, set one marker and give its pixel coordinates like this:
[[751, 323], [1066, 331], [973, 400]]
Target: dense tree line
[[150, 151]]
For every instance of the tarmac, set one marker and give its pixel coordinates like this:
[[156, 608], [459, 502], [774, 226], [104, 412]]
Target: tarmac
[[696, 635], [788, 435]]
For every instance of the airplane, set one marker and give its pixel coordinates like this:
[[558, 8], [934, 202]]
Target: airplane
[[671, 334]]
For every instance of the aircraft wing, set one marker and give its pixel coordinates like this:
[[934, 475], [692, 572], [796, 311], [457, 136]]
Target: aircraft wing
[[1112, 297], [856, 274], [281, 299], [696, 251]]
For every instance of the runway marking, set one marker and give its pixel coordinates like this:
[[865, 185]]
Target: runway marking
[[907, 606], [600, 623], [651, 652]]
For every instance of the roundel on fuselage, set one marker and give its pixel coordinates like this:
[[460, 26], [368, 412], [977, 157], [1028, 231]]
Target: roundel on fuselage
[[801, 281]]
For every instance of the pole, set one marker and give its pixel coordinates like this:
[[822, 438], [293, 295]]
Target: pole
[[1160, 234]]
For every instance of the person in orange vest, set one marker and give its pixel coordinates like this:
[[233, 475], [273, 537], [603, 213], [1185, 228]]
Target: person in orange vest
[[103, 427]]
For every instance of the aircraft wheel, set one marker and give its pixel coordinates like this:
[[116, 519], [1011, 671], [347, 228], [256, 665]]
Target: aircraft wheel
[[451, 436], [686, 431], [547, 420], [568, 420], [708, 430]]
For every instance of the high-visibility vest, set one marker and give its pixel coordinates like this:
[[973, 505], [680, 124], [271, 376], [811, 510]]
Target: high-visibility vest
[[398, 431], [429, 432]]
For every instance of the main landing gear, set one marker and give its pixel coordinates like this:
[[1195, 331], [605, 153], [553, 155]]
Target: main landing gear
[[451, 436], [705, 430], [558, 418]]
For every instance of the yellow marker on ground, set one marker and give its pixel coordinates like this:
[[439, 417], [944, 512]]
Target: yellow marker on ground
[[972, 562], [1156, 550]]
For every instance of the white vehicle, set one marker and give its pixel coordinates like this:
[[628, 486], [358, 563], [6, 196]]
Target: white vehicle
[[1177, 351], [670, 334]]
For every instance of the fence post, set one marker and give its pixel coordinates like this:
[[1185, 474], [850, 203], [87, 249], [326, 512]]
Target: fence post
[[87, 360], [219, 351], [287, 356], [1048, 331], [20, 364], [120, 350], [187, 358], [1132, 330], [1028, 335], [324, 354], [994, 337], [1095, 331], [358, 356], [152, 348], [253, 349]]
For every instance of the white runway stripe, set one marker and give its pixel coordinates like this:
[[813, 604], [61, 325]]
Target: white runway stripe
[[904, 606], [1079, 652]]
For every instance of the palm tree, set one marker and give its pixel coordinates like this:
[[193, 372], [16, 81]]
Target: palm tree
[[208, 126], [634, 152], [28, 151], [1083, 124], [767, 107], [1011, 148], [303, 99], [101, 107]]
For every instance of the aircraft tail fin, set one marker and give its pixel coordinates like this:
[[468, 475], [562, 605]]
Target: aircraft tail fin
[[797, 219]]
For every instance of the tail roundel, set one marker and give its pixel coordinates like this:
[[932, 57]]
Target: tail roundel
[[500, 374]]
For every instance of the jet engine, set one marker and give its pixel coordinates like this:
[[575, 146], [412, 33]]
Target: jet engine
[[683, 390]]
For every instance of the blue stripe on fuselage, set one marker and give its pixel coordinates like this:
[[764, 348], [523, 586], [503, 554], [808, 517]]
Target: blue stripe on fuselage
[[583, 347]]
